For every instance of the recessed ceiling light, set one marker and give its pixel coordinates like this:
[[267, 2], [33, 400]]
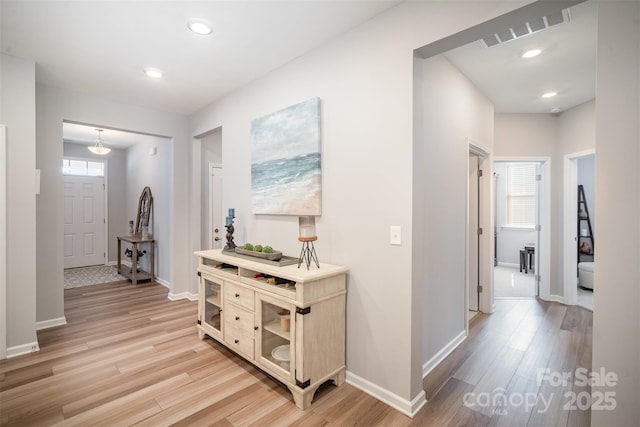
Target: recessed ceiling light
[[199, 26], [153, 72], [549, 94], [531, 53]]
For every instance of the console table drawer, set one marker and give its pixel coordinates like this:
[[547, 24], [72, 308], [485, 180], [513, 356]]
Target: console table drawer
[[239, 295], [238, 341], [239, 318]]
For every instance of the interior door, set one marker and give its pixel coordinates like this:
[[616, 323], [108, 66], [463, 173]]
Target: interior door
[[216, 230], [84, 221], [473, 244]]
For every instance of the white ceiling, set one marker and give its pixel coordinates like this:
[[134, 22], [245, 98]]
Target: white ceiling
[[567, 66], [101, 47]]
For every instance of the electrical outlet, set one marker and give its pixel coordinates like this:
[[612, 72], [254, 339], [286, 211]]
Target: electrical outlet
[[396, 235]]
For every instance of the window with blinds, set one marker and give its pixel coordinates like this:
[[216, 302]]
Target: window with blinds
[[521, 194]]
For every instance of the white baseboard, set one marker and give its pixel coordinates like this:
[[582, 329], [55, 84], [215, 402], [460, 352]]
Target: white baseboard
[[556, 298], [444, 352], [19, 350], [174, 297], [183, 295], [163, 282], [508, 264], [409, 408], [51, 323]]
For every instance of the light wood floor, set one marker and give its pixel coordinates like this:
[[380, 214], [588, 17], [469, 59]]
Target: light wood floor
[[129, 356]]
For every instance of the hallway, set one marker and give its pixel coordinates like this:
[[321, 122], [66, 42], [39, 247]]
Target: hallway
[[496, 378]]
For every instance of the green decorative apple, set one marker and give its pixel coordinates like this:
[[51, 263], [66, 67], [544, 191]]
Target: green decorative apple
[[267, 250], [248, 246], [257, 248]]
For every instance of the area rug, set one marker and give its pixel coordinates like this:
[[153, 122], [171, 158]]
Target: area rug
[[77, 277]]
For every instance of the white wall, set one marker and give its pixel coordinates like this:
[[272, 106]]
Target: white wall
[[54, 106], [616, 314], [364, 81], [146, 170], [116, 178], [453, 111], [18, 113]]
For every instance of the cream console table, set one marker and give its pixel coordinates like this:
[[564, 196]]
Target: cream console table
[[288, 321]]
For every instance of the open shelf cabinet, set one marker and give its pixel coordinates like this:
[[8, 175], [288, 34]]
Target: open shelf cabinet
[[289, 322]]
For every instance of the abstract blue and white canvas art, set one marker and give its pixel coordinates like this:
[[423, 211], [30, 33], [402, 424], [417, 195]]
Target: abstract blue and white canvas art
[[286, 173]]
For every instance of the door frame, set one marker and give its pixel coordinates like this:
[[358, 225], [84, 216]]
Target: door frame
[[485, 261], [213, 166], [106, 200], [543, 203], [571, 224], [473, 225]]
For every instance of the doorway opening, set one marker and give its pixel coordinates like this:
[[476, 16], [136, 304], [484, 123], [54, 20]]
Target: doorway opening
[[85, 224], [211, 185], [579, 228], [519, 261], [479, 282], [136, 160]]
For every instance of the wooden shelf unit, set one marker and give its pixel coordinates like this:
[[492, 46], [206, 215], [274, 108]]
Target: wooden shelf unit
[[136, 275], [584, 223], [250, 325]]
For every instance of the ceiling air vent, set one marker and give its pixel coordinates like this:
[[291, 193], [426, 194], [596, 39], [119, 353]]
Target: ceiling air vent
[[530, 27]]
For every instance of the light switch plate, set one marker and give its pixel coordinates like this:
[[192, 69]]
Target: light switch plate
[[396, 235]]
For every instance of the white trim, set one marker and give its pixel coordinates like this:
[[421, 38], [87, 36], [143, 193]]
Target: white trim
[[105, 188], [183, 295], [409, 408], [485, 249], [175, 297], [162, 282], [212, 166], [51, 323], [476, 148], [106, 210], [509, 227], [19, 350], [3, 243], [570, 225], [555, 298], [444, 352], [508, 265], [543, 256]]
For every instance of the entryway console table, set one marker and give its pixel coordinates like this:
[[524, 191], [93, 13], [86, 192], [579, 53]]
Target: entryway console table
[[288, 321], [136, 275]]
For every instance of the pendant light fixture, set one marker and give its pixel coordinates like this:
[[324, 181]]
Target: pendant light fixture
[[99, 148]]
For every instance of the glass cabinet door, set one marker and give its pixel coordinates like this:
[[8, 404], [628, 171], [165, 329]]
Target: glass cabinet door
[[275, 349], [212, 311]]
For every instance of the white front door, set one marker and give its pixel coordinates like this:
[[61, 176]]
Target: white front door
[[216, 231], [84, 221]]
